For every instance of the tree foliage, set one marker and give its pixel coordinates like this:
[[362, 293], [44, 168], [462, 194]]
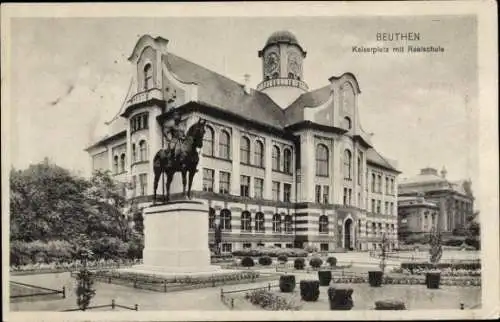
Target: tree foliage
[[51, 207]]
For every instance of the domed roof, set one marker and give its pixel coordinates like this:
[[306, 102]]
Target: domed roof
[[282, 36]]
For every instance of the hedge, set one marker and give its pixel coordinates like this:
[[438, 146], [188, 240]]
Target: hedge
[[423, 265], [272, 252]]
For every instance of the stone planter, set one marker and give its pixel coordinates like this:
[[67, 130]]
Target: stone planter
[[390, 305], [340, 299], [287, 283], [375, 278], [432, 280], [324, 277], [309, 290]]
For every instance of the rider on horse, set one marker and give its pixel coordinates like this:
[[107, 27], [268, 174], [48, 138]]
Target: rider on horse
[[175, 135]]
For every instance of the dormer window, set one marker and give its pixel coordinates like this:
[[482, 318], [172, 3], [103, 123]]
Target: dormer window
[[148, 77]]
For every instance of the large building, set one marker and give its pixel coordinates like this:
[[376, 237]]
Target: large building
[[429, 200], [280, 165]]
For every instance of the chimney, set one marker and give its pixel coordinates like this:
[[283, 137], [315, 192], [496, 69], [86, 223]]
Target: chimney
[[444, 172], [247, 83]]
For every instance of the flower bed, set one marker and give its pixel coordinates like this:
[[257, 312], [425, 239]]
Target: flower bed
[[410, 280], [271, 301], [54, 267], [473, 265], [444, 272], [271, 252]]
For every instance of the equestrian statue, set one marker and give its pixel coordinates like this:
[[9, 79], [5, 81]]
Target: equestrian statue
[[181, 155]]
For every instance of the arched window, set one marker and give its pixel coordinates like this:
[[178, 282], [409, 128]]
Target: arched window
[[287, 161], [134, 153], [244, 150], [259, 222], [246, 221], [122, 163], [276, 158], [347, 123], [116, 165], [347, 164], [288, 224], [323, 224], [259, 154], [148, 77], [276, 223], [321, 160], [211, 218], [224, 144], [143, 151], [225, 219], [208, 141]]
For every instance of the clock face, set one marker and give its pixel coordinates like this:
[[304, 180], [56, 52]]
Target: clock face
[[271, 62], [293, 64]]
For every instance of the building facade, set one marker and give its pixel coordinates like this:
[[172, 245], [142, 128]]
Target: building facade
[[430, 200], [280, 165]]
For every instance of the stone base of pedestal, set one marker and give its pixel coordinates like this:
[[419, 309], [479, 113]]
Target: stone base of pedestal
[[170, 272], [176, 237]]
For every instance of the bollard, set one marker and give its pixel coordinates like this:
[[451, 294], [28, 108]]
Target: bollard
[[164, 286], [113, 304], [232, 303], [461, 306], [135, 283], [269, 286], [109, 279], [64, 292], [213, 281], [136, 307], [221, 293]]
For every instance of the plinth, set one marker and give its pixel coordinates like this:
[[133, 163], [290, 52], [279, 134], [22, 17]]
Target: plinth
[[176, 239]]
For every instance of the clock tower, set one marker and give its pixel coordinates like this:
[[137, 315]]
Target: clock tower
[[282, 59]]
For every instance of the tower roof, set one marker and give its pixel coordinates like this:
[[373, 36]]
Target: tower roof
[[282, 36]]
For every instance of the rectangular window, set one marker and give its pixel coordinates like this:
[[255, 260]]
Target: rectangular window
[[345, 196], [277, 245], [143, 184], [323, 247], [245, 186], [360, 203], [373, 206], [386, 185], [247, 245], [326, 194], [392, 186], [391, 210], [386, 207], [227, 247], [379, 205], [259, 188], [287, 192], [318, 194], [208, 179], [350, 197], [289, 245], [224, 182], [276, 190], [374, 179], [360, 167]]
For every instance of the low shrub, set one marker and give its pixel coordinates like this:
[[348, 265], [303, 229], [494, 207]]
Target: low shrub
[[282, 258], [340, 299], [299, 263], [443, 265], [271, 301], [309, 290], [265, 260], [390, 305], [316, 262], [324, 277], [247, 262], [375, 278], [332, 261], [287, 283]]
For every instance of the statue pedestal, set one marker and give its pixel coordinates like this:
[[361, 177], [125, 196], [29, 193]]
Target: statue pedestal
[[176, 239]]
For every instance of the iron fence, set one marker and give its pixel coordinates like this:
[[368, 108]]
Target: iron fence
[[44, 291], [113, 305]]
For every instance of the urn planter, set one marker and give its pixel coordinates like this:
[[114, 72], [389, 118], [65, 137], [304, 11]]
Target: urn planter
[[287, 283], [324, 277], [390, 305], [309, 290], [432, 280], [375, 278], [340, 299]]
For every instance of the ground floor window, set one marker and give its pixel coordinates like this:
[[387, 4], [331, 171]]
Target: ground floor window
[[289, 245], [260, 245], [277, 245], [323, 247], [227, 247], [247, 245]]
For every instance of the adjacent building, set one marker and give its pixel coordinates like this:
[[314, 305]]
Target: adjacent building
[[430, 200], [281, 164]]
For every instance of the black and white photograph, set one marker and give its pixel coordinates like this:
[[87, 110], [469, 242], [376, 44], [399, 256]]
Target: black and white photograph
[[238, 161]]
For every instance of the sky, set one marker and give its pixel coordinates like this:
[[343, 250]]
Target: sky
[[70, 75]]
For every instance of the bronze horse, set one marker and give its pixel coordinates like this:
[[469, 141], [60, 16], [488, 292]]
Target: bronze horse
[[185, 160]]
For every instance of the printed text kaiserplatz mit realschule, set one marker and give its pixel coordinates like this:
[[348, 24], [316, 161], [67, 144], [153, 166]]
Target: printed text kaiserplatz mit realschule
[[398, 49]]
